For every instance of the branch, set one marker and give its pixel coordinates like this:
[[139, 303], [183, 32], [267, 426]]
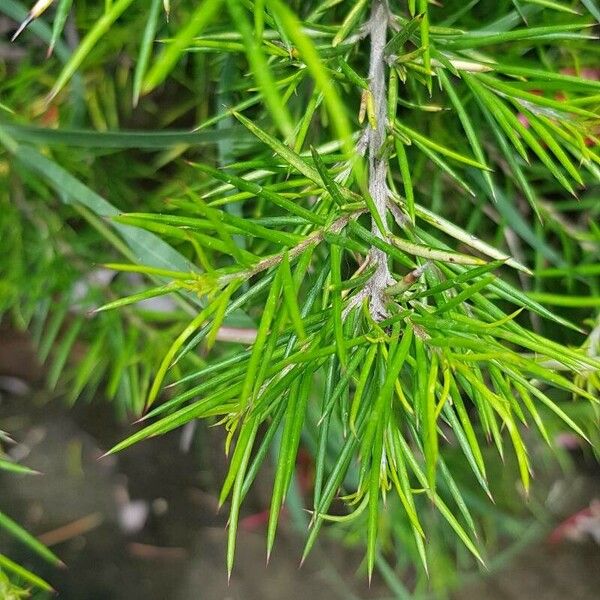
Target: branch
[[382, 279], [377, 164]]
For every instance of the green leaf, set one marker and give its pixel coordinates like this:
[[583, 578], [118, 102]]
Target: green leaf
[[147, 248], [375, 215], [553, 5], [509, 155], [99, 29], [373, 515], [335, 253], [543, 398], [309, 54], [438, 148], [290, 294], [425, 43], [194, 324], [377, 242], [331, 380], [219, 315], [432, 254], [467, 293], [287, 155], [330, 185], [508, 292], [403, 35], [566, 81], [499, 111], [508, 420], [60, 18], [22, 573], [52, 328], [386, 388], [350, 22], [593, 8], [467, 439], [214, 404], [406, 178], [467, 238], [140, 296], [264, 329], [290, 438], [260, 69], [430, 439], [245, 445], [145, 49], [338, 471], [263, 193], [28, 540], [361, 385], [523, 228], [12, 467], [118, 140], [466, 123], [514, 92], [440, 504], [549, 140], [62, 351], [480, 39], [166, 61], [454, 282]]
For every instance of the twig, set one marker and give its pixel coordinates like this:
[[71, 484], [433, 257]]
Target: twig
[[149, 552], [71, 530], [316, 237]]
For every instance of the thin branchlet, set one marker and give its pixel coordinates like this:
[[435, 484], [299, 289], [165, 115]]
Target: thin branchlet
[[272, 261]]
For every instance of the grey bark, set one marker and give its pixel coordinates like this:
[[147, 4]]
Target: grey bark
[[382, 278]]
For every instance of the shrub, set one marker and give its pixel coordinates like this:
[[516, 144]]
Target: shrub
[[374, 223]]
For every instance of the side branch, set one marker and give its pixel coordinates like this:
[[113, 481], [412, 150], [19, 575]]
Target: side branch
[[313, 239]]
